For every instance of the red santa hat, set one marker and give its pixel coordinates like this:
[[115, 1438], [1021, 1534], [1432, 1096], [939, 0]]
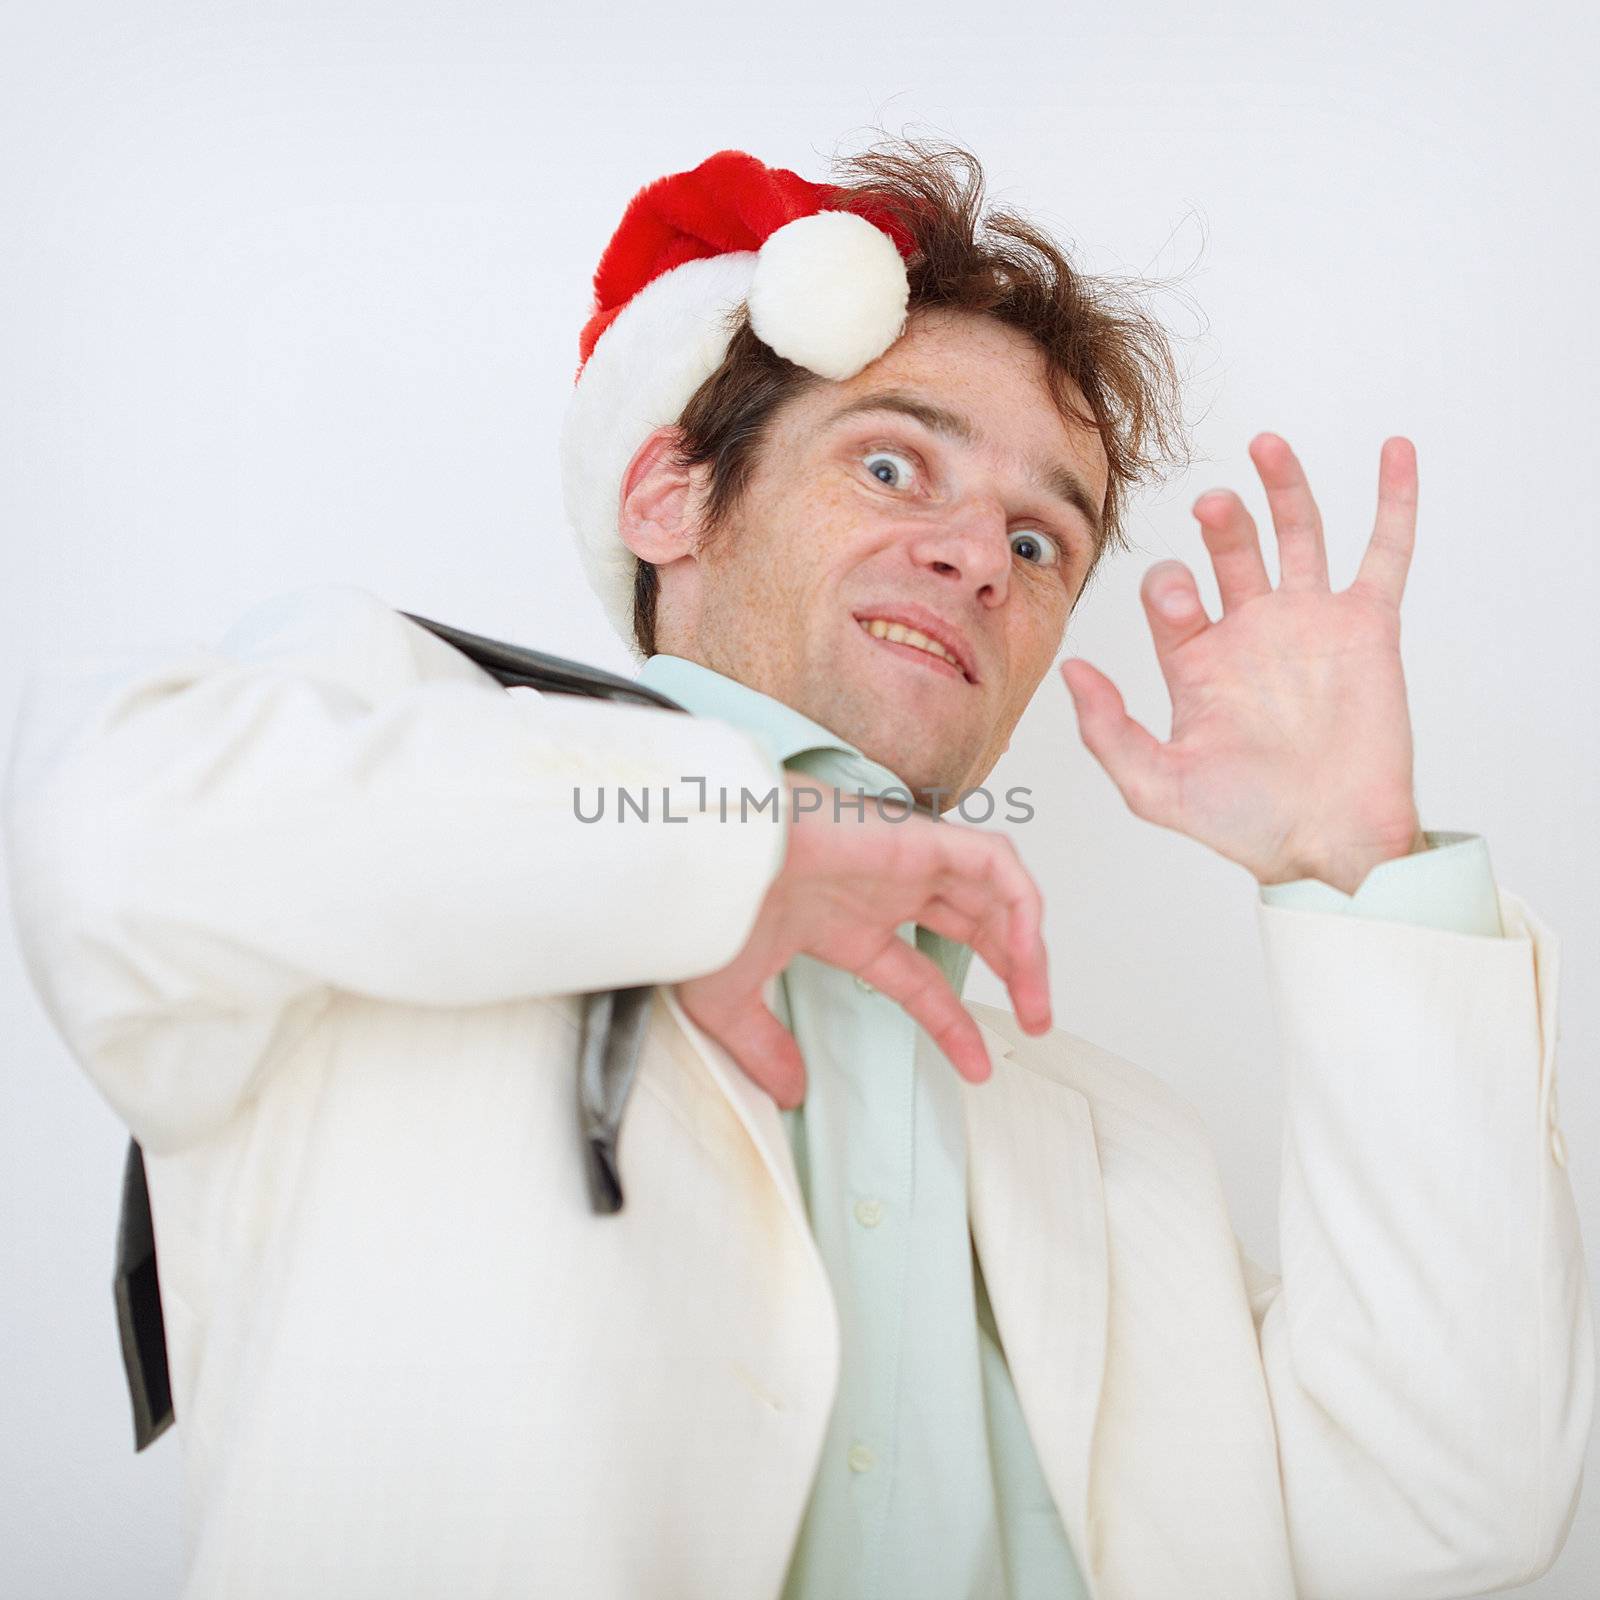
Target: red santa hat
[[826, 289]]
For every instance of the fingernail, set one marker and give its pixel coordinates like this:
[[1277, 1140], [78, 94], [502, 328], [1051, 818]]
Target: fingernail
[[1175, 602]]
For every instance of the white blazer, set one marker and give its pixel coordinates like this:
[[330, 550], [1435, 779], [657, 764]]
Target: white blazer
[[312, 908]]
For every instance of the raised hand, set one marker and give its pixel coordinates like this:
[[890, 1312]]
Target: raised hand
[[845, 889], [1291, 748]]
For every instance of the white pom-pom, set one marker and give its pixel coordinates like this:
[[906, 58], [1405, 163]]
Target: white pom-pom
[[829, 293]]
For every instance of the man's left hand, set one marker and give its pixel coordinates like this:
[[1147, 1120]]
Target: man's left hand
[[1291, 744]]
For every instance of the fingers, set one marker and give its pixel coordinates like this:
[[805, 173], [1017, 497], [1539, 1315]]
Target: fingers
[[764, 1050], [915, 982], [844, 895], [1007, 938], [1173, 601], [1134, 759], [1302, 557], [1388, 554], [988, 881], [1175, 612], [1027, 982], [1234, 545]]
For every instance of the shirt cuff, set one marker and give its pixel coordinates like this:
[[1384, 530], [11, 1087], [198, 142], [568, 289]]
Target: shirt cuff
[[1449, 885]]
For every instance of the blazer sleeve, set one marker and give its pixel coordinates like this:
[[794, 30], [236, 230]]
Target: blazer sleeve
[[1428, 1345], [205, 844]]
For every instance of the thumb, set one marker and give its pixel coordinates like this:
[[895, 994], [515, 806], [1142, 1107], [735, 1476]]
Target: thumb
[[1134, 759]]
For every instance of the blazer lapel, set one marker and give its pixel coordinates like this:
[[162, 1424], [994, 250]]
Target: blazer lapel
[[754, 1108], [1039, 1224], [1038, 1221]]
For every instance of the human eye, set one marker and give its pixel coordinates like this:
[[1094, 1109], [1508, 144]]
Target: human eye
[[1045, 551], [900, 474]]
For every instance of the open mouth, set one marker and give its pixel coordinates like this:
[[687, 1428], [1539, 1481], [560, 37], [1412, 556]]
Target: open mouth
[[915, 645]]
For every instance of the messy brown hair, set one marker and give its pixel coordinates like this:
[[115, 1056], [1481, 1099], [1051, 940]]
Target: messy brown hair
[[1095, 333]]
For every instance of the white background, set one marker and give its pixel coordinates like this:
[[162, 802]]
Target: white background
[[293, 295]]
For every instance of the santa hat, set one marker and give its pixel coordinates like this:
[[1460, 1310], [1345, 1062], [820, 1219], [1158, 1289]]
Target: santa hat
[[826, 289]]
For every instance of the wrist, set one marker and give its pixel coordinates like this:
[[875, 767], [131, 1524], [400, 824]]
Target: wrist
[[1346, 868]]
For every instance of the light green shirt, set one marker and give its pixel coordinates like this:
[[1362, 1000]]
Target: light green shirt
[[929, 1484]]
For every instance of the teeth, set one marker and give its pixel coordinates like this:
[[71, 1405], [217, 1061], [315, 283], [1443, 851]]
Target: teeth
[[898, 633]]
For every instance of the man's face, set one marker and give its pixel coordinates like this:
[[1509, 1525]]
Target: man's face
[[862, 524]]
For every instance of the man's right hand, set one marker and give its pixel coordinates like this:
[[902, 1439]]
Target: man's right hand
[[847, 884]]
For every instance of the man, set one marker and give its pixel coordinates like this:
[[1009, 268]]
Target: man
[[316, 911]]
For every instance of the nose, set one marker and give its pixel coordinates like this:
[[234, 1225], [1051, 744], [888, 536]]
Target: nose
[[970, 550]]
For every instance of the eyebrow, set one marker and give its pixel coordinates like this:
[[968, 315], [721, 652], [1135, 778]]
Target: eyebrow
[[1055, 478]]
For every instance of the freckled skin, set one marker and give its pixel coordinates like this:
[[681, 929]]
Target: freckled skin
[[771, 599]]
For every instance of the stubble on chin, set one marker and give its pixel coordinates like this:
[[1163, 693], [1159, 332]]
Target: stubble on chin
[[919, 754]]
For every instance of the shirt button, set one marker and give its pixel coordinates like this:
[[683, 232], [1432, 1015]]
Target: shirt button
[[863, 985], [861, 1459], [1558, 1147], [869, 1213]]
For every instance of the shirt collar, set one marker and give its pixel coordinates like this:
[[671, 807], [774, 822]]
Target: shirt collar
[[797, 742], [783, 732]]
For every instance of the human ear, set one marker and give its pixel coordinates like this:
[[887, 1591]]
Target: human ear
[[655, 517]]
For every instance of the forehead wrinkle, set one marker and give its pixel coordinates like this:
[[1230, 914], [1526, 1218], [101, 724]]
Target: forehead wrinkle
[[1061, 482]]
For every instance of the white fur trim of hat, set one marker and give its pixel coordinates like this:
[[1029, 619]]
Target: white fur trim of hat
[[826, 289]]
